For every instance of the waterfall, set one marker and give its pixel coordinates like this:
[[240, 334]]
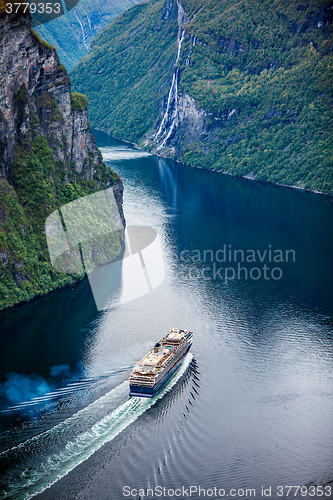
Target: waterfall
[[180, 45], [84, 36], [170, 118], [91, 31]]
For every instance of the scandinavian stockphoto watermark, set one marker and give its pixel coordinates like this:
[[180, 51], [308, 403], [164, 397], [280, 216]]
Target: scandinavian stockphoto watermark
[[87, 235], [228, 263]]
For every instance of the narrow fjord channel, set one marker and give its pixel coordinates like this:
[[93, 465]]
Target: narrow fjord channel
[[248, 269]]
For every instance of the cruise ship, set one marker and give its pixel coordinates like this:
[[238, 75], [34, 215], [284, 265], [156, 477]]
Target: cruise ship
[[155, 369]]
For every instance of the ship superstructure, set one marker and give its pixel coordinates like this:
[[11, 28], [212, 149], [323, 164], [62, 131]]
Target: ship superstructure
[[155, 369]]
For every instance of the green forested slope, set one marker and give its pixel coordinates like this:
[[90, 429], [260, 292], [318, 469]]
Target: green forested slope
[[127, 71], [260, 71], [72, 32], [38, 188]]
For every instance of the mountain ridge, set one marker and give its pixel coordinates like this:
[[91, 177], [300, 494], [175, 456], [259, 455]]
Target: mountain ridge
[[72, 33]]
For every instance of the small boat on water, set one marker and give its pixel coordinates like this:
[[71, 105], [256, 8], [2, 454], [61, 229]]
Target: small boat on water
[[159, 364]]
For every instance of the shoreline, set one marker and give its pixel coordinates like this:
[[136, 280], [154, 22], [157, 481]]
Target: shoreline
[[75, 282], [247, 177], [242, 176]]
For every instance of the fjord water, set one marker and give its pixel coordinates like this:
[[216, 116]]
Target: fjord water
[[252, 408]]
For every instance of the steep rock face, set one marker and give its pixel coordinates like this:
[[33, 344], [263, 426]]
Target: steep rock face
[[191, 118], [181, 123], [48, 157], [185, 123], [45, 94]]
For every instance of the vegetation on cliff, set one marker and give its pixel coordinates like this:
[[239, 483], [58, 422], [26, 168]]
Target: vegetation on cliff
[[79, 102], [40, 185], [42, 42], [126, 73], [48, 158], [260, 71]]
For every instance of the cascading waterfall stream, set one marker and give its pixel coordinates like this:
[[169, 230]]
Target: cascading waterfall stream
[[84, 36], [180, 45], [170, 118]]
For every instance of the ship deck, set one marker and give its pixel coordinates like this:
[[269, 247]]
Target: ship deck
[[154, 358]]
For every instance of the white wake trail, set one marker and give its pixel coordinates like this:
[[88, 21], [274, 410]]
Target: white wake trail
[[34, 479]]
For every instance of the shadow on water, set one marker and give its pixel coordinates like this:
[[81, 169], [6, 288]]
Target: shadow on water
[[47, 331]]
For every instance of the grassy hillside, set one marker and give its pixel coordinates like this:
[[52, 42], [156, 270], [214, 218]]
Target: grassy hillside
[[260, 71]]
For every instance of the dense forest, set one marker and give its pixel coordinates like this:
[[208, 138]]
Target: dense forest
[[259, 73]]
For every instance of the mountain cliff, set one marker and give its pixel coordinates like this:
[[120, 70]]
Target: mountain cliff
[[48, 157], [238, 87], [72, 33]]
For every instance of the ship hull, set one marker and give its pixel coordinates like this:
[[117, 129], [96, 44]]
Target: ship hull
[[149, 392]]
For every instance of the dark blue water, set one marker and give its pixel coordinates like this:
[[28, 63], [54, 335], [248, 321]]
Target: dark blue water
[[251, 409]]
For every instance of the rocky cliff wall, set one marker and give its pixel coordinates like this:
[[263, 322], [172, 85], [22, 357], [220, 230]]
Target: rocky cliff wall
[[35, 97], [48, 157]]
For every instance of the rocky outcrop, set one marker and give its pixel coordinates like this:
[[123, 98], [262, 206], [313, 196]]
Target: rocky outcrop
[[181, 123], [191, 117], [35, 99], [184, 123]]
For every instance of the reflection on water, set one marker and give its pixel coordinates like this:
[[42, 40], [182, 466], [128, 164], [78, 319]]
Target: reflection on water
[[257, 412]]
